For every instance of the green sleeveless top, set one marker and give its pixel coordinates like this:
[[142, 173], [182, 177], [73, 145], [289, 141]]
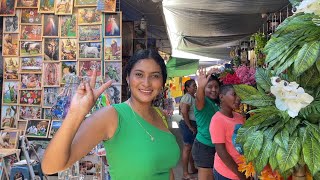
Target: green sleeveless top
[[132, 154]]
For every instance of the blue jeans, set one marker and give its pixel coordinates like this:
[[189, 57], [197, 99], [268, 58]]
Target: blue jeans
[[187, 135], [218, 176]]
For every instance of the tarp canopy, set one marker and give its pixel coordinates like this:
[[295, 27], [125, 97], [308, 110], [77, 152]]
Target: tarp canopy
[[178, 67]]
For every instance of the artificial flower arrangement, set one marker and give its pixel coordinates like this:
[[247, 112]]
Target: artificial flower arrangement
[[239, 75]]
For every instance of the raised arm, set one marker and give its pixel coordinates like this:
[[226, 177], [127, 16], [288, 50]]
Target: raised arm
[[202, 82]]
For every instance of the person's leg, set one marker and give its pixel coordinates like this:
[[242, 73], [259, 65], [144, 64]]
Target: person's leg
[[204, 157], [193, 168], [185, 159], [205, 174]]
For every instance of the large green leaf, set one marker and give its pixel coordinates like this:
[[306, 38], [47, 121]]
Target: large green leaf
[[269, 121], [261, 115], [263, 79], [311, 78], [318, 65], [292, 124], [279, 51], [303, 134], [282, 67], [314, 129], [259, 100], [272, 130], [245, 91], [253, 145], [282, 138], [288, 158], [307, 56], [244, 132], [263, 157], [311, 153], [312, 112], [273, 159]]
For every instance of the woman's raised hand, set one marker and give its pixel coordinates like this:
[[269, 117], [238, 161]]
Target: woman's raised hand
[[202, 77]]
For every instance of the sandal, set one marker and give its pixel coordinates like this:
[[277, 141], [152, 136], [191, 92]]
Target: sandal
[[189, 178]]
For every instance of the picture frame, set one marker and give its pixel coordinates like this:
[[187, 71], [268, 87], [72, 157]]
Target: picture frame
[[90, 50], [69, 28], [113, 24], [55, 125], [63, 7], [90, 33], [10, 92], [88, 164], [30, 16], [31, 64], [139, 44], [10, 159], [85, 3], [29, 112], [140, 31], [68, 68], [37, 128], [30, 48], [40, 146], [11, 24], [30, 81], [46, 6], [113, 49], [7, 8], [89, 16], [113, 71], [30, 97], [27, 4], [110, 6], [51, 74], [68, 49], [22, 124], [10, 44], [50, 95], [31, 33], [10, 68], [113, 94], [47, 113], [51, 49], [3, 172], [9, 138], [9, 116], [86, 68], [50, 25]]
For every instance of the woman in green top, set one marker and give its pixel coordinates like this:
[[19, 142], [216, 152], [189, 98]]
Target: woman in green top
[[206, 106], [138, 143]]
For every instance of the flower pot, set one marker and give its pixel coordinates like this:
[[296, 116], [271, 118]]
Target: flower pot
[[299, 174]]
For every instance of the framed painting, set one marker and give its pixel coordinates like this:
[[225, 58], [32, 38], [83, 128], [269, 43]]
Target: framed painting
[[55, 125], [11, 24], [85, 3], [9, 160], [29, 112], [37, 128], [3, 172], [69, 28], [9, 139], [68, 68], [47, 113], [10, 92], [89, 16], [51, 49], [50, 25], [140, 30], [31, 32], [51, 74], [68, 49], [113, 23], [30, 97], [112, 49], [10, 45], [31, 64], [7, 7], [63, 7], [89, 164], [22, 125], [139, 44], [113, 71], [9, 117], [127, 38], [113, 94], [30, 48], [110, 6], [46, 6], [27, 4], [50, 95], [90, 33], [10, 68], [30, 81], [30, 16], [90, 50], [87, 67]]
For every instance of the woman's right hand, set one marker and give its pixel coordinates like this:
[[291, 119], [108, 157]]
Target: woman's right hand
[[86, 95]]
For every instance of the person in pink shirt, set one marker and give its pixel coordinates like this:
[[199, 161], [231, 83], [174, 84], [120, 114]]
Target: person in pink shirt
[[223, 130]]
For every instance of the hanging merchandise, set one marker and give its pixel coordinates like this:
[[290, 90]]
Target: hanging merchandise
[[260, 41]]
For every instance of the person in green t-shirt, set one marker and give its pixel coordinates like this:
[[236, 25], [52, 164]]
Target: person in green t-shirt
[[206, 106]]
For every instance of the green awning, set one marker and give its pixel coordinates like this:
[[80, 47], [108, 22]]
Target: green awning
[[178, 67]]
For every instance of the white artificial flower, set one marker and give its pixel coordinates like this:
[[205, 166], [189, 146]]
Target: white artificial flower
[[289, 96], [309, 6]]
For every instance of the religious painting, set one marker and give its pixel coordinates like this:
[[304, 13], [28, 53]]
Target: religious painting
[[63, 7], [68, 49], [51, 74], [69, 28], [110, 5], [85, 3], [46, 6], [9, 139], [11, 24], [140, 30], [27, 3], [37, 128], [113, 94], [89, 16], [9, 160], [50, 25], [90, 33], [113, 24], [31, 64], [10, 92], [68, 68], [90, 50], [47, 114], [31, 32], [51, 49], [30, 16], [55, 125], [7, 7], [139, 44], [30, 81], [10, 45], [9, 117], [30, 48], [112, 49], [10, 68], [113, 71], [50, 95], [29, 112], [86, 68], [30, 97]]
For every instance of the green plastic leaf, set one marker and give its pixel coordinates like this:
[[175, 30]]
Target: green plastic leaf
[[318, 65], [244, 132], [263, 157], [288, 158], [287, 63], [314, 129], [245, 91], [272, 130], [259, 100], [261, 115], [263, 79], [269, 121], [282, 138], [292, 124], [311, 152], [307, 56], [253, 145], [303, 134], [311, 78], [273, 159]]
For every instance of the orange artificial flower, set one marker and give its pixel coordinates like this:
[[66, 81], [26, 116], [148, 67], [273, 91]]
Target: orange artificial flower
[[268, 174], [247, 168], [309, 176]]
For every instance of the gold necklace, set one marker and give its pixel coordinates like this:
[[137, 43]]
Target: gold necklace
[[135, 118]]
